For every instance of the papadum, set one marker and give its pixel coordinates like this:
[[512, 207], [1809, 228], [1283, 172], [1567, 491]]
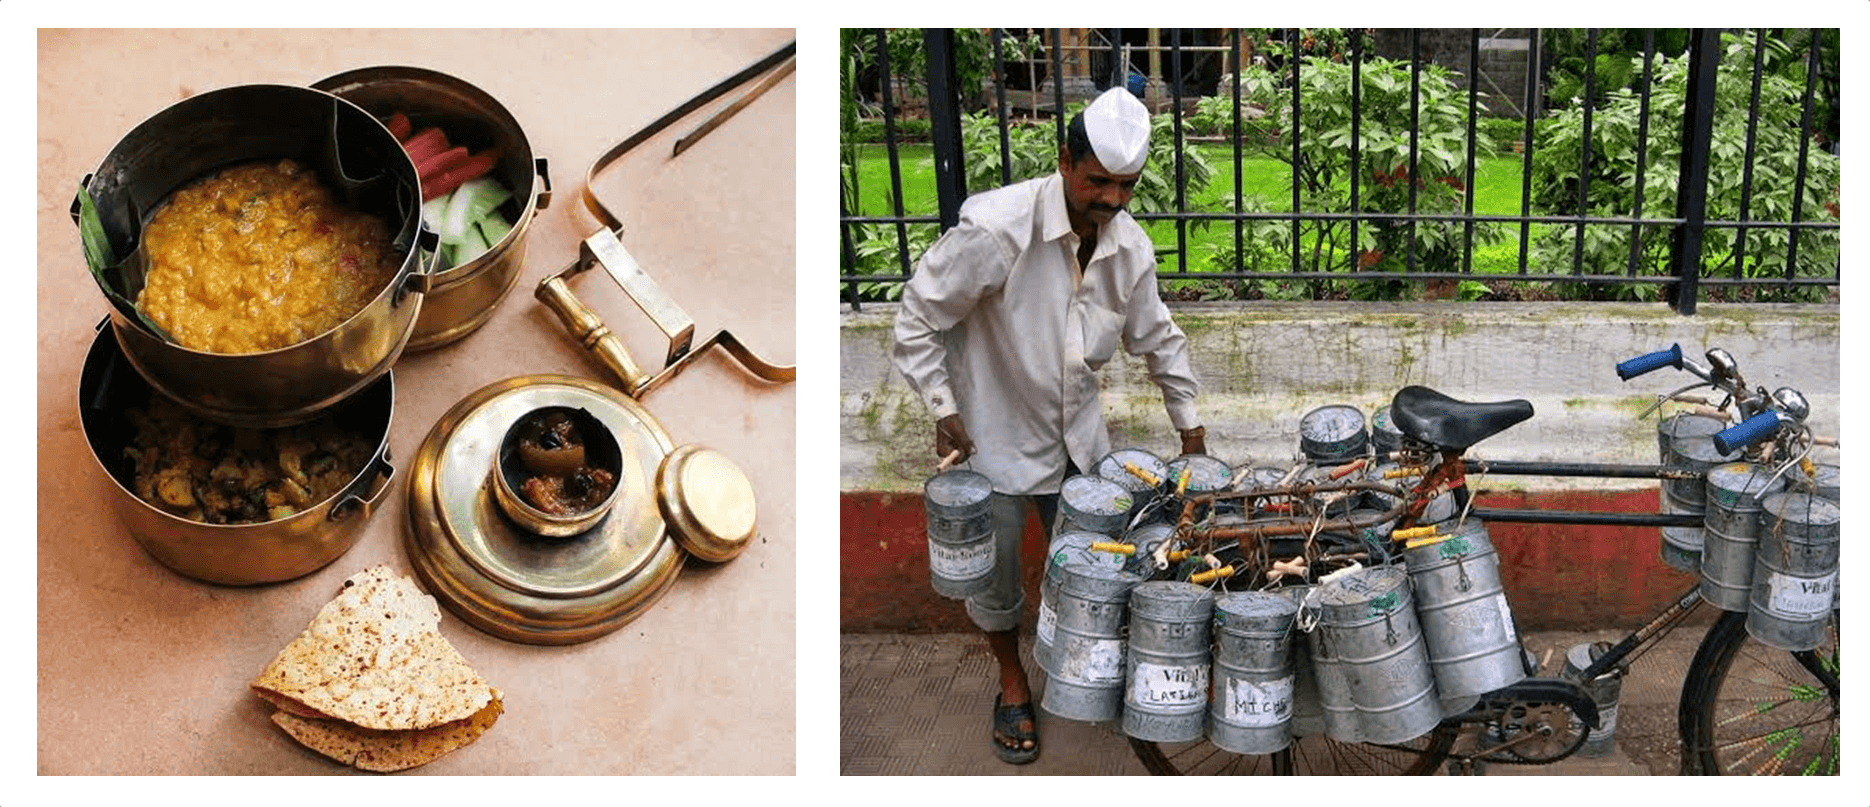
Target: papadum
[[371, 682]]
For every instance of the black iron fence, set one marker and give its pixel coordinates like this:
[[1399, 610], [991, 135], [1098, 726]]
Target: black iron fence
[[1698, 159]]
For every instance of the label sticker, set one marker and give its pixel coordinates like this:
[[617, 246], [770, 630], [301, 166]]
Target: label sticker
[[961, 562], [1506, 617], [1169, 684], [1048, 623], [1802, 596], [1103, 662], [1258, 704]]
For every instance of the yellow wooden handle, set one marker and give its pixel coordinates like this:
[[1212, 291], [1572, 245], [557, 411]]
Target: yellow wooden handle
[[1147, 477], [1211, 575], [1413, 533], [1181, 485], [1398, 473], [1180, 555], [1113, 548]]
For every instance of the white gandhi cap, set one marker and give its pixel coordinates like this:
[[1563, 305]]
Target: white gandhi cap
[[1118, 127]]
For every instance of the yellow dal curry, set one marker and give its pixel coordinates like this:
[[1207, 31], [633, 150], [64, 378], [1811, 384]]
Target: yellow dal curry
[[260, 257]]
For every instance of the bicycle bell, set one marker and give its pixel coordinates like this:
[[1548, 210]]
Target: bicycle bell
[[1725, 367], [1792, 403]]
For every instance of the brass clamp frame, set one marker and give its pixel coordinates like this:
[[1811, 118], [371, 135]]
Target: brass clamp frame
[[605, 249]]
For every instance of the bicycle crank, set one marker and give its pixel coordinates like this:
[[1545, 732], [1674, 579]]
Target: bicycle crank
[[1537, 721]]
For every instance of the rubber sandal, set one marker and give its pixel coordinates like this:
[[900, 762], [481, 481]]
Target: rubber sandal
[[1006, 720]]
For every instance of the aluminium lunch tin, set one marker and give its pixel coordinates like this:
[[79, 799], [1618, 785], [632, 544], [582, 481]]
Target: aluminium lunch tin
[[231, 554], [461, 298]]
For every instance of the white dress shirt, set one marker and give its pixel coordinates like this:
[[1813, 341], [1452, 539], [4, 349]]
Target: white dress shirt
[[996, 324]]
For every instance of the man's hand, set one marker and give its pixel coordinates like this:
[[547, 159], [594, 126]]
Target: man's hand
[[951, 436], [1195, 440]]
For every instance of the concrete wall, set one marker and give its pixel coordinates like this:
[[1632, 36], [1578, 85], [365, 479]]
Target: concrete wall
[[1264, 365]]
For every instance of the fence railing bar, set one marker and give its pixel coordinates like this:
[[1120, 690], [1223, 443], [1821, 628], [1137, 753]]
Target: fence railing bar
[[1357, 143], [1704, 58], [1642, 146], [1473, 122], [999, 86], [1181, 167], [1584, 151], [1415, 133], [889, 138], [1526, 146], [1058, 85], [945, 128], [1292, 62], [1805, 145], [848, 255], [1240, 243]]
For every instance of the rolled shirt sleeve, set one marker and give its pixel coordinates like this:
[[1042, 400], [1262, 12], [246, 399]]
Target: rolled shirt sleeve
[[1149, 332], [966, 263]]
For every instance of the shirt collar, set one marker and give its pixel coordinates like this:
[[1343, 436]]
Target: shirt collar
[[1054, 218]]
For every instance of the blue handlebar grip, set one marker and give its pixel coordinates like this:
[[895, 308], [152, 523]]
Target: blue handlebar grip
[[1746, 433], [1654, 361]]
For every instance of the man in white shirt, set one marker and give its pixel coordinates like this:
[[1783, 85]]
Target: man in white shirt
[[1002, 330]]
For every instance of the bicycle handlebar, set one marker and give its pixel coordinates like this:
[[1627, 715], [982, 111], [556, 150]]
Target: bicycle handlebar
[[1653, 361], [1746, 433]]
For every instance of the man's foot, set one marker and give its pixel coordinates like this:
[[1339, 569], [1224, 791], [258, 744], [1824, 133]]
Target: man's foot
[[1015, 732]]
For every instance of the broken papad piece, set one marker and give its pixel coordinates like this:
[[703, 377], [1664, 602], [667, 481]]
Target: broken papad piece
[[387, 751], [375, 657]]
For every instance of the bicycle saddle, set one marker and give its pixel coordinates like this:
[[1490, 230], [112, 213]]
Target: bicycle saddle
[[1439, 420]]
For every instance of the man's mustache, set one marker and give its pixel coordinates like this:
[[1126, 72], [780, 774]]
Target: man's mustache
[[1105, 208]]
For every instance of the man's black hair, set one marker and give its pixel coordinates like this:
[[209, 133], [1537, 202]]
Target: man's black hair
[[1077, 142]]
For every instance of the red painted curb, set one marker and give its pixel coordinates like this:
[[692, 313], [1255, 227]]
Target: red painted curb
[[1568, 577]]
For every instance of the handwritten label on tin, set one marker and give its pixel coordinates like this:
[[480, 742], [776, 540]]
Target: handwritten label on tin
[[1048, 623], [1169, 685], [961, 562], [1804, 596], [1102, 661], [1258, 704], [1506, 617]]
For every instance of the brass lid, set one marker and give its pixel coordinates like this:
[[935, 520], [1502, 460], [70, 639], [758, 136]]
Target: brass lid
[[708, 501], [524, 587]]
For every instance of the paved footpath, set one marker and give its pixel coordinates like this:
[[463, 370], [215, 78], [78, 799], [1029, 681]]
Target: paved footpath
[[918, 705]]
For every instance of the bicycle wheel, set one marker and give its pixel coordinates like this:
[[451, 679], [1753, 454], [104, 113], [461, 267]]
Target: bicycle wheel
[[1749, 709], [1316, 755]]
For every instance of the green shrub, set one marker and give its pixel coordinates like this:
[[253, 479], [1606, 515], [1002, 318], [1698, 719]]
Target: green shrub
[[1606, 249]]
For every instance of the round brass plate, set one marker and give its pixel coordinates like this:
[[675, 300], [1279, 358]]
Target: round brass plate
[[708, 501], [512, 583]]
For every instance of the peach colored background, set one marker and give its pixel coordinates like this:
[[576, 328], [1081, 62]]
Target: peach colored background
[[141, 671]]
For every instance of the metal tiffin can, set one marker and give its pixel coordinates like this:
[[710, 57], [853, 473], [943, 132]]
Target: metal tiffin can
[[1094, 504], [1135, 470], [1086, 679], [1606, 691], [1683, 425], [1681, 546], [1384, 436], [1255, 676], [1165, 697], [1795, 571], [1473, 645], [1333, 434], [1368, 642], [1730, 530], [960, 532], [1068, 549]]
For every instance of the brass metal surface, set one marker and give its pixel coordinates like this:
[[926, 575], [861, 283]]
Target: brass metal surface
[[461, 298], [517, 585], [207, 131], [507, 474], [233, 554], [707, 501]]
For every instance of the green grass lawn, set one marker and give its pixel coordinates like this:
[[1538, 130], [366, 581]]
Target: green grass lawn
[[1496, 191]]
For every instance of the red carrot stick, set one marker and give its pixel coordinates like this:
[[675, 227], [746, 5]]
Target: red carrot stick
[[447, 180], [425, 144], [399, 126], [428, 168]]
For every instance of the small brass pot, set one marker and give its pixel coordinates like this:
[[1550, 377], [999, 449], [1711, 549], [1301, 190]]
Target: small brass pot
[[509, 476], [461, 298], [216, 130], [238, 554]]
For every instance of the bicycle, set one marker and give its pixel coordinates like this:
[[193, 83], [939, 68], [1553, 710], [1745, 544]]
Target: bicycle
[[1744, 707]]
